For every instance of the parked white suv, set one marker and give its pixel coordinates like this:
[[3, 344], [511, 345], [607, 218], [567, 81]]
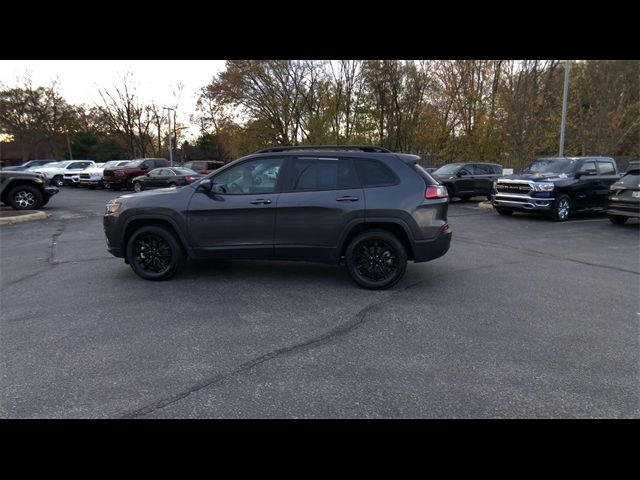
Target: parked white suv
[[55, 172], [92, 176]]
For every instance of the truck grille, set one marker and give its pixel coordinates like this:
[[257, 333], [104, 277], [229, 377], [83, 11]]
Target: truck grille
[[521, 188], [85, 175]]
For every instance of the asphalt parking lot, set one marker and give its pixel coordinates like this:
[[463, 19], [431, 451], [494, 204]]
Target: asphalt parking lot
[[523, 318]]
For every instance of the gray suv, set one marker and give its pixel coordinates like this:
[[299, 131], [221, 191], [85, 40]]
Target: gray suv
[[361, 205]]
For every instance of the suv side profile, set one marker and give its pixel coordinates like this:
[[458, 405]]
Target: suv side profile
[[361, 205]]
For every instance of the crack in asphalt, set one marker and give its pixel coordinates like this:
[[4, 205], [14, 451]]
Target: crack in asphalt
[[357, 320], [538, 253], [51, 261]]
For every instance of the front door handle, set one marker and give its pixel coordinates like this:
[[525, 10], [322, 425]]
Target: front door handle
[[347, 199], [261, 201]]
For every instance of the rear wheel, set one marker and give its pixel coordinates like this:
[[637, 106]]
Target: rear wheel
[[618, 219], [376, 259], [154, 253], [25, 197], [561, 208], [504, 211], [137, 186]]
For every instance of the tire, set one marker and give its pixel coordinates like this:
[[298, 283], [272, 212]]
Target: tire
[[130, 184], [504, 211], [562, 208], [163, 241], [369, 246], [618, 219], [172, 184], [25, 197], [57, 181], [137, 187]]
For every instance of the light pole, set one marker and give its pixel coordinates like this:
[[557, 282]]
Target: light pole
[[565, 95], [170, 147]]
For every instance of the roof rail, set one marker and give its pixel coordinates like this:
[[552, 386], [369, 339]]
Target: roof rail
[[362, 148]]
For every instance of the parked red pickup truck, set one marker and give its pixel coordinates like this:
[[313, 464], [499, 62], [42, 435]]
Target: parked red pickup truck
[[122, 177]]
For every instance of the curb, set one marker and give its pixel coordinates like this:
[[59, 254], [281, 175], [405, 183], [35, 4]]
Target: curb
[[486, 204], [38, 215]]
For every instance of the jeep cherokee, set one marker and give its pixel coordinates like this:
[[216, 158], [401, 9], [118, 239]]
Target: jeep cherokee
[[362, 205]]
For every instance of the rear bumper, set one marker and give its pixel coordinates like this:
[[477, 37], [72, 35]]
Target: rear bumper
[[424, 251]]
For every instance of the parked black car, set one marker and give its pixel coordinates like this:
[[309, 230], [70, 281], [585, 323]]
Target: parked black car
[[165, 177], [29, 164], [466, 180], [363, 205], [624, 198], [557, 186], [24, 190]]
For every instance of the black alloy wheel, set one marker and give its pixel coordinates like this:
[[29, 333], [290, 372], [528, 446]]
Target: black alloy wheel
[[154, 253], [376, 259]]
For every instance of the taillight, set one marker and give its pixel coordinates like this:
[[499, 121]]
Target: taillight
[[436, 191], [190, 178]]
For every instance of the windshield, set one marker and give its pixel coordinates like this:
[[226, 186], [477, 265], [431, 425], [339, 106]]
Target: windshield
[[450, 169], [54, 164], [630, 180], [133, 163], [551, 165]]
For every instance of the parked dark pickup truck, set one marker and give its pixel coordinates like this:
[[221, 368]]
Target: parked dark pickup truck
[[557, 186], [24, 190]]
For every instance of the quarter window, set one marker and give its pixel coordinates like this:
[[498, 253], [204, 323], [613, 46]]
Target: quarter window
[[374, 173]]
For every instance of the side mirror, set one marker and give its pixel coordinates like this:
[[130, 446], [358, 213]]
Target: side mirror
[[462, 173], [205, 185]]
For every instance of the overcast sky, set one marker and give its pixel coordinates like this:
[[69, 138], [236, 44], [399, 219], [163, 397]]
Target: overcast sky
[[79, 80]]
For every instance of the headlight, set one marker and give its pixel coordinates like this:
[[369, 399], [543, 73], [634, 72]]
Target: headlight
[[112, 208], [543, 187]]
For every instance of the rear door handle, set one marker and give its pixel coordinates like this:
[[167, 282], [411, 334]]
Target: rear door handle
[[261, 201], [347, 199]]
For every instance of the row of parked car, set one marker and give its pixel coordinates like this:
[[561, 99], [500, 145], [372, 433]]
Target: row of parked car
[[557, 187]]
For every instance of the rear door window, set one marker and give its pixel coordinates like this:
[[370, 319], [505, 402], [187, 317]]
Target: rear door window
[[322, 174], [606, 168]]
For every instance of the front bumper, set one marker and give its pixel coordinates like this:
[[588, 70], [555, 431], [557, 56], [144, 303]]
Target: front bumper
[[423, 251], [90, 181], [522, 202], [51, 191]]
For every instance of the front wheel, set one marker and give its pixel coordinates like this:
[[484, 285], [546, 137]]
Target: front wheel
[[561, 208], [618, 219], [137, 186], [25, 197], [57, 181], [376, 259], [154, 253]]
